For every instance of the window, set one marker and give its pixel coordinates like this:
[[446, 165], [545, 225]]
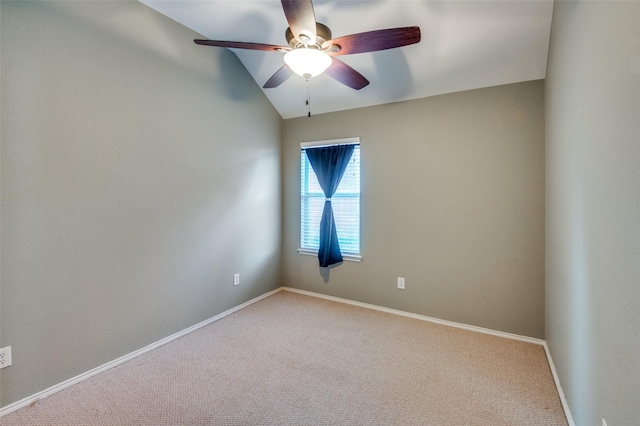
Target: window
[[345, 202]]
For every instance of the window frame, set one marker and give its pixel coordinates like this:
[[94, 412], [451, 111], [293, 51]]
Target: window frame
[[353, 257]]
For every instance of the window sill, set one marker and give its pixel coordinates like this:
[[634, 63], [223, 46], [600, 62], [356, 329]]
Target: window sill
[[345, 256]]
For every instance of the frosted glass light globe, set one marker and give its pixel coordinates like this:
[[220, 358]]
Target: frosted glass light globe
[[308, 62]]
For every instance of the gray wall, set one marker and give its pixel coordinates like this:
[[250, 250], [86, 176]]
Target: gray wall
[[593, 208], [139, 172], [452, 200]]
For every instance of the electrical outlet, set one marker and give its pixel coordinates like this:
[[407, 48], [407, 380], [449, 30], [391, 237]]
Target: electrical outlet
[[236, 279], [5, 357], [401, 283]]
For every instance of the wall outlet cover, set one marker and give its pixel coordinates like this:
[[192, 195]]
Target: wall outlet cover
[[5, 357]]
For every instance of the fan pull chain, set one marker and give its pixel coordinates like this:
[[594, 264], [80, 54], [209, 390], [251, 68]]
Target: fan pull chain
[[308, 99]]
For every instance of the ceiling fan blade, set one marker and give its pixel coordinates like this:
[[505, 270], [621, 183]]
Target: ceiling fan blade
[[346, 75], [372, 41], [241, 45], [301, 18], [279, 77]]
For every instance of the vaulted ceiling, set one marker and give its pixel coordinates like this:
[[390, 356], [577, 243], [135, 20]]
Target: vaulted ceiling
[[465, 45]]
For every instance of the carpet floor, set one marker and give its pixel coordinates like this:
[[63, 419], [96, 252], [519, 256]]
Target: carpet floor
[[292, 359]]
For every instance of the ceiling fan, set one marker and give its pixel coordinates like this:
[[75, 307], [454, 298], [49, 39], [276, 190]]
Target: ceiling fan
[[311, 50]]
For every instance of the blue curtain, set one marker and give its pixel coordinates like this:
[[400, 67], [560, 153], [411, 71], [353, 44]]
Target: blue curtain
[[329, 164]]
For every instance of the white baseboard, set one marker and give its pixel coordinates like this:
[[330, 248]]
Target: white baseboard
[[420, 317], [53, 389], [556, 379]]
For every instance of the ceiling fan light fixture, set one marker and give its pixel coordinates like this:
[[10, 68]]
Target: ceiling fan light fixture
[[307, 62]]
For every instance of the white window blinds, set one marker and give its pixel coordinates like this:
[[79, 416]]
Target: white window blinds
[[345, 201]]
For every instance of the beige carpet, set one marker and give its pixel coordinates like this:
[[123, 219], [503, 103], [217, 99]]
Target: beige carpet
[[297, 360]]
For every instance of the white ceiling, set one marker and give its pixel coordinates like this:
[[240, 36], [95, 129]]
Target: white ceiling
[[465, 45]]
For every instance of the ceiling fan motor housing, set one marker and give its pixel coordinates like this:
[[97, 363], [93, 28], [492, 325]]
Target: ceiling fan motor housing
[[323, 34]]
